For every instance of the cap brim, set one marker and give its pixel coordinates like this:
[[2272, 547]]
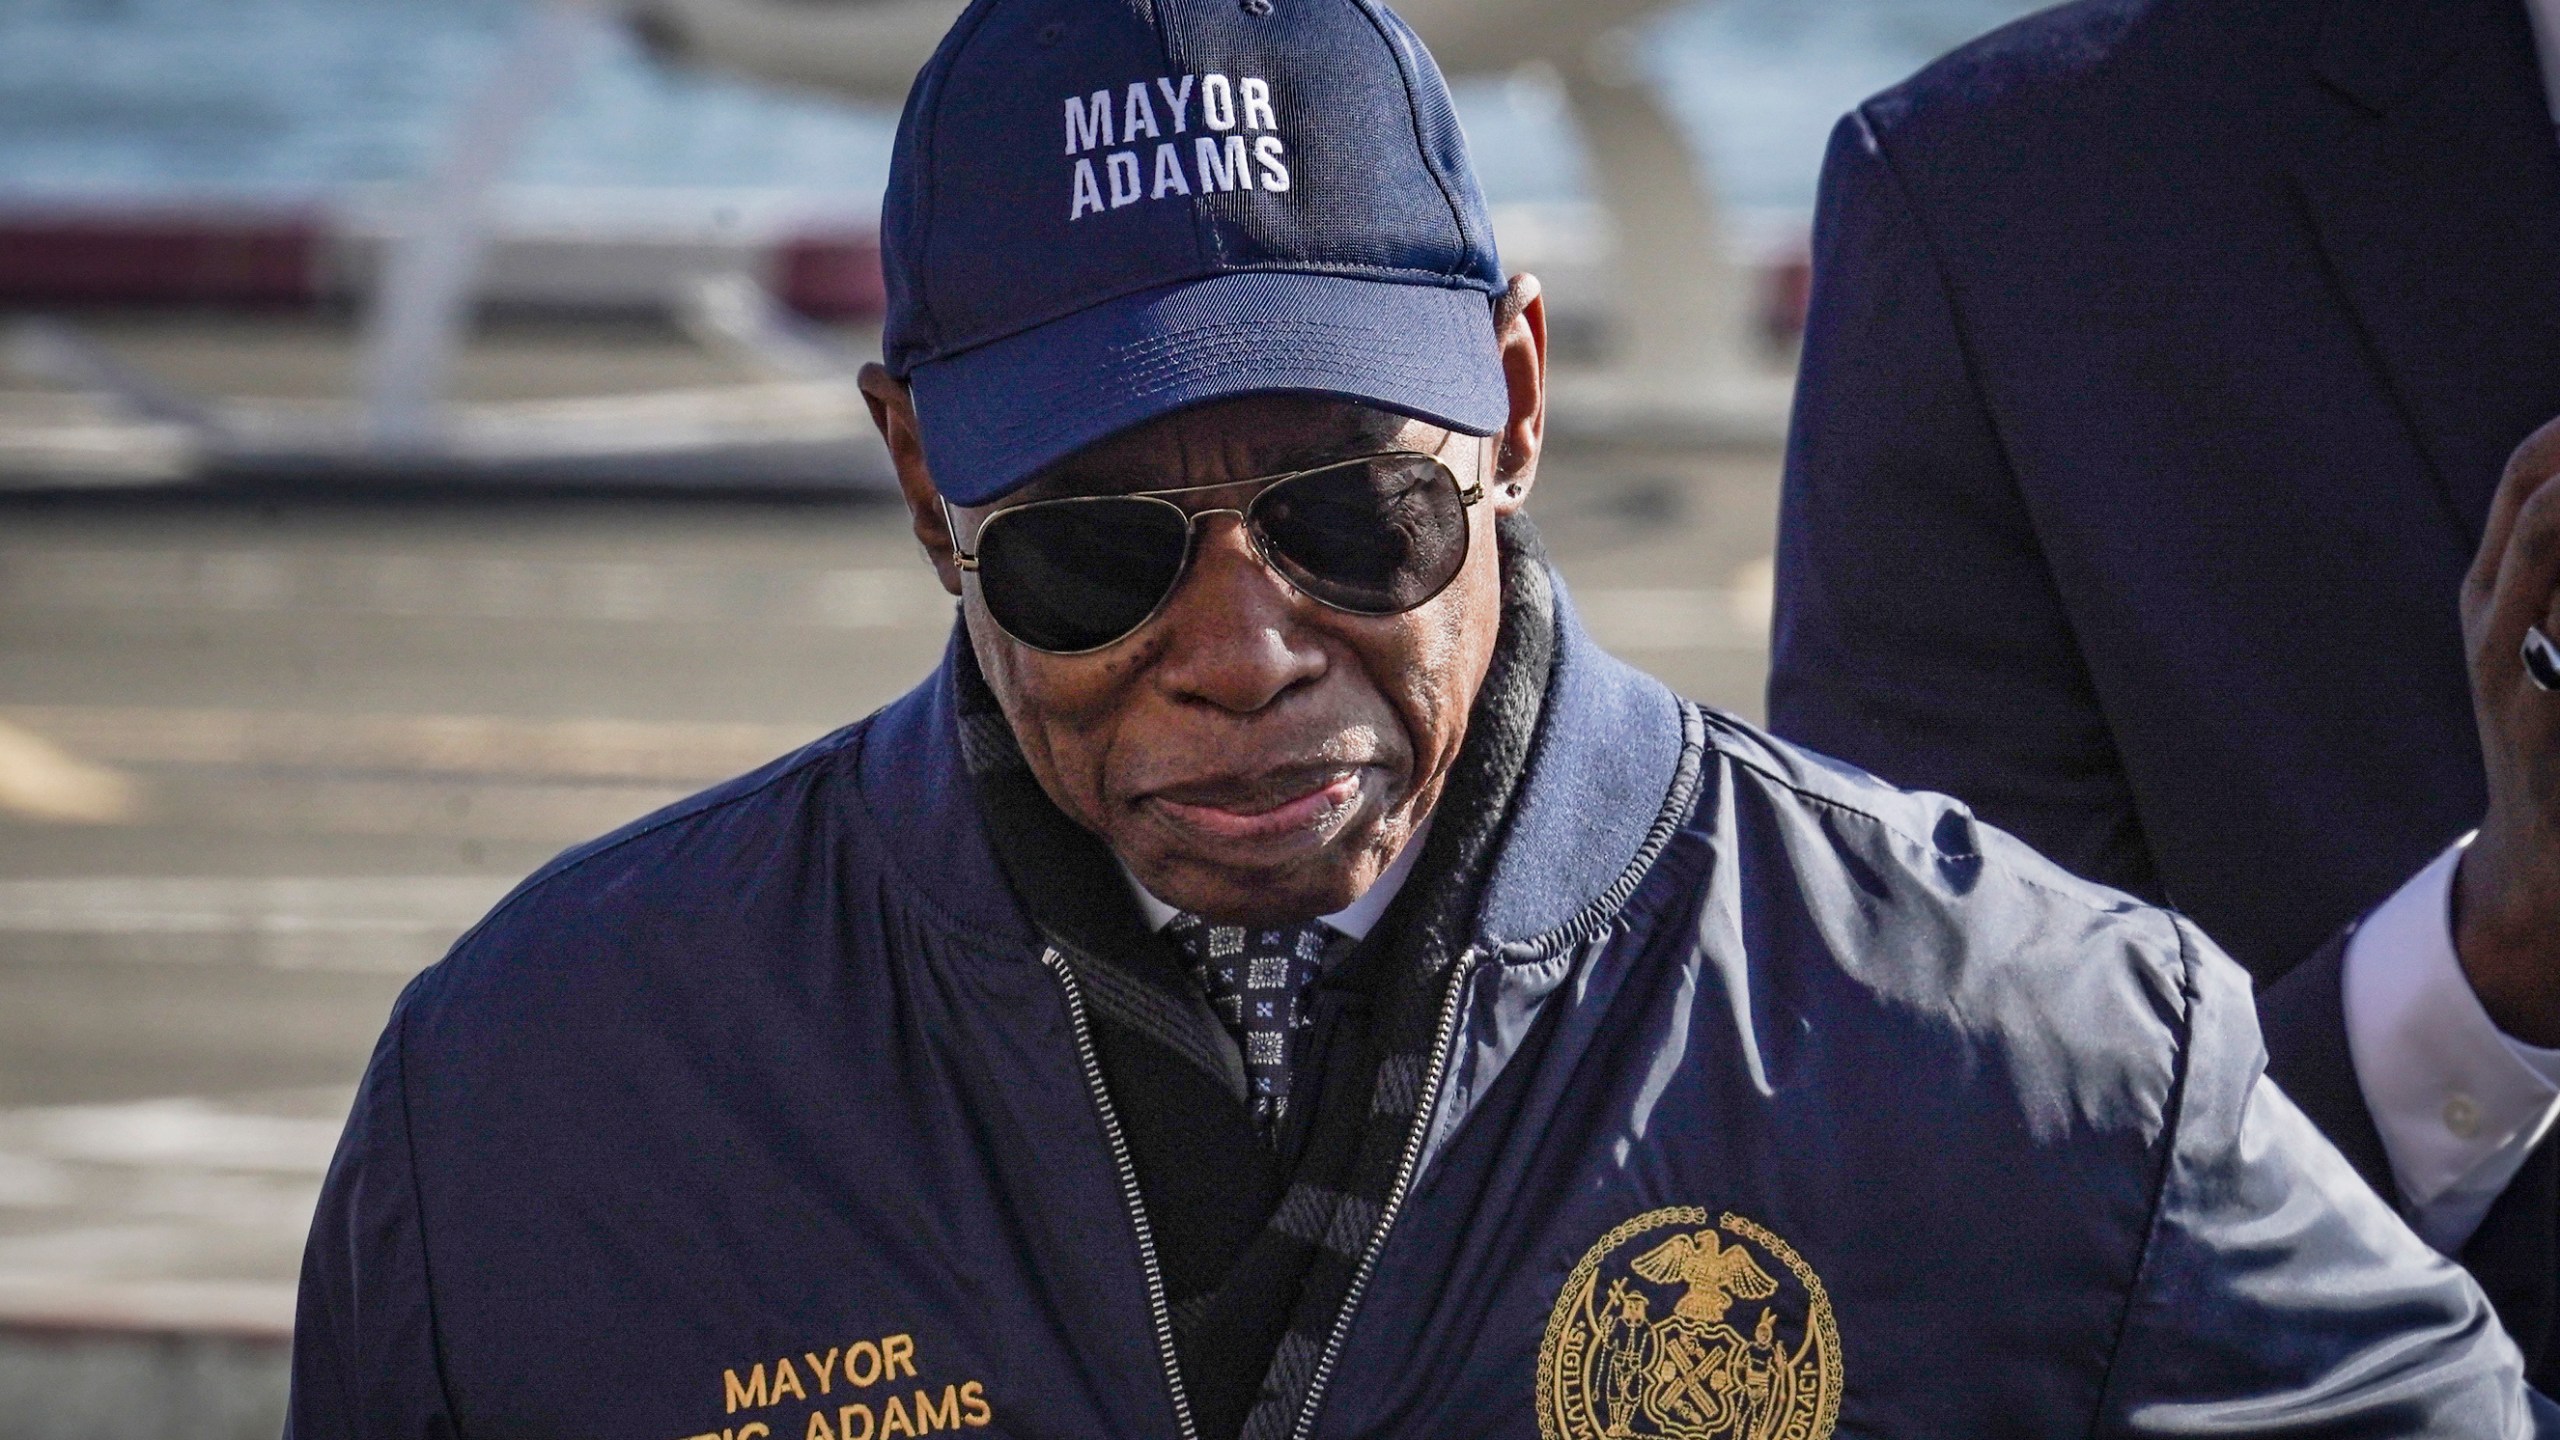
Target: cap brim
[[997, 415]]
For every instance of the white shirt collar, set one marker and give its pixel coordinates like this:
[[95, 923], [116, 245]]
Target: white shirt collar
[[1356, 919]]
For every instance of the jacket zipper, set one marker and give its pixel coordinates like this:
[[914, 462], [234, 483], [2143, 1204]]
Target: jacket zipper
[[1161, 1310], [1460, 974]]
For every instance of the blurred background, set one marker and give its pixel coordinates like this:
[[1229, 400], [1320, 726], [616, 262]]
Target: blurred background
[[428, 439]]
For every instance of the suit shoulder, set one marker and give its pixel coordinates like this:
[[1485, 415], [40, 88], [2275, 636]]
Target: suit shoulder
[[2095, 73], [2041, 53]]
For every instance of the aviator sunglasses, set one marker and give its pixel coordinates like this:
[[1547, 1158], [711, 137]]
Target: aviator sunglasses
[[1374, 535]]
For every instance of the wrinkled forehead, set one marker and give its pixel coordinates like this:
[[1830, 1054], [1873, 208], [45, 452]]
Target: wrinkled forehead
[[1239, 439]]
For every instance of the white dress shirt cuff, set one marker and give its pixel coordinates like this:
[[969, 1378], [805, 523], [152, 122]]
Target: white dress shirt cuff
[[2459, 1104]]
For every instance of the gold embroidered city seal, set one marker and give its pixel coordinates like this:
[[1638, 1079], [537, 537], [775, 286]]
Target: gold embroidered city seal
[[1686, 1326]]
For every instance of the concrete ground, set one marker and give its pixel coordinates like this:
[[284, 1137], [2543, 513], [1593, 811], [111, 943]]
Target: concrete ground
[[261, 758]]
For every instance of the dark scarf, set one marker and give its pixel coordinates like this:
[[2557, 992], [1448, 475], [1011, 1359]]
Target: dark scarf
[[1259, 1247]]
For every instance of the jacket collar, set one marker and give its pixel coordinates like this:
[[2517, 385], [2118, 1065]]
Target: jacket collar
[[917, 792], [1609, 749]]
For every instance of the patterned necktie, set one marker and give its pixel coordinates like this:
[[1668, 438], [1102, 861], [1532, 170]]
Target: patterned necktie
[[1257, 981]]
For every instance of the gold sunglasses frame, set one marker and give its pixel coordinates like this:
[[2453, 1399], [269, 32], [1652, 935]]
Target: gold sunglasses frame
[[1469, 494]]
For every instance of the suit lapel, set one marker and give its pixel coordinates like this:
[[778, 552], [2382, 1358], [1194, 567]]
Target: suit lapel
[[2438, 208], [2514, 1253]]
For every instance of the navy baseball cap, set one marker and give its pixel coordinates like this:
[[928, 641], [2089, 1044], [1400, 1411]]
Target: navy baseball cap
[[1103, 211]]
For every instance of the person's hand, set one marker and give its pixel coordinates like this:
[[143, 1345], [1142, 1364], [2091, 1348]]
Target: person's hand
[[2506, 907]]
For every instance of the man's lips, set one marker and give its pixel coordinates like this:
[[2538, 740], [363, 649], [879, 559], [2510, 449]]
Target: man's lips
[[1260, 812]]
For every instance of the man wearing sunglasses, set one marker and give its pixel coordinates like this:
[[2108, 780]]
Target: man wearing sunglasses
[[1276, 978]]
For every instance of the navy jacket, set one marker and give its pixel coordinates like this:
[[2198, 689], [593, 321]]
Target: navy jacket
[[1766, 1096], [2163, 359]]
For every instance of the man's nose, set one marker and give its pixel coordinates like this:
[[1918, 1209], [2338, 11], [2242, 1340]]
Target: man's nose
[[1233, 636]]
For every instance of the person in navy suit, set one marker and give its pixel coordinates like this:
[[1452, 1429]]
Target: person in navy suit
[[2145, 491]]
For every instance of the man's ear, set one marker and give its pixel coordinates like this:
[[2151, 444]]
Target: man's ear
[[894, 411], [1520, 329]]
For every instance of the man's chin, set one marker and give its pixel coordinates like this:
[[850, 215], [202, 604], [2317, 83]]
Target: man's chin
[[1267, 904], [1302, 888]]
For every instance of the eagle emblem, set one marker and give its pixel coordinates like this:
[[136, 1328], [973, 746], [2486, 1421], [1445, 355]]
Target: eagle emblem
[[1686, 1326]]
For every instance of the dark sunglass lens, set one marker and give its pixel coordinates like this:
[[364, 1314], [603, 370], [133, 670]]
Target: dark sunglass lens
[[1377, 536], [1077, 575]]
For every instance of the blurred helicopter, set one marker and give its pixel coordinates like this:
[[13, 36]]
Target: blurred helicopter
[[1665, 343], [1675, 322]]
